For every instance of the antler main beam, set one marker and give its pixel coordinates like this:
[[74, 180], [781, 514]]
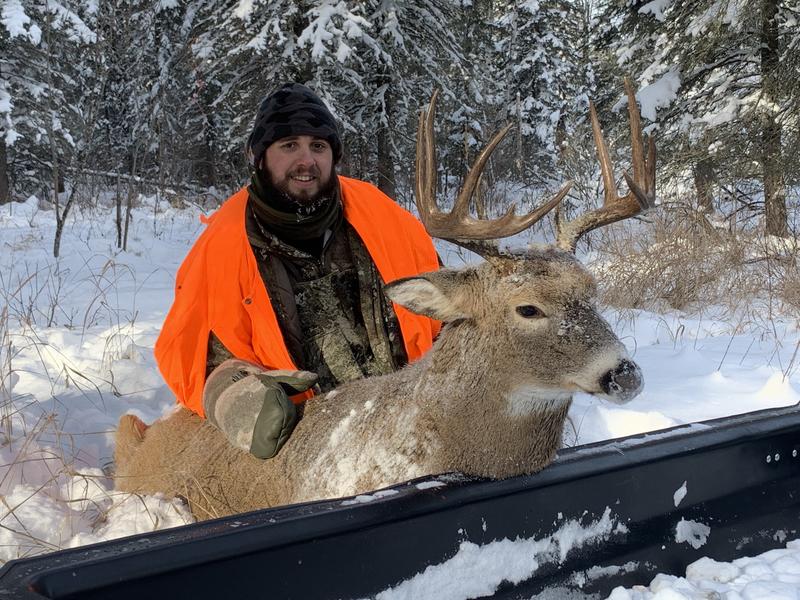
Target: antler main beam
[[642, 186], [458, 226]]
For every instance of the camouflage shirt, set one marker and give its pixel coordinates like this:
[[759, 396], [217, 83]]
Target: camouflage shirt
[[329, 301]]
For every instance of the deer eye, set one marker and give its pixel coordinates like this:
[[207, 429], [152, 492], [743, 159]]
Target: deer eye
[[529, 311]]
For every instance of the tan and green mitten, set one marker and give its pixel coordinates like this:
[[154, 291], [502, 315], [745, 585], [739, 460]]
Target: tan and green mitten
[[251, 405]]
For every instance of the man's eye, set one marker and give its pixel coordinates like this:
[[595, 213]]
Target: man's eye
[[529, 311]]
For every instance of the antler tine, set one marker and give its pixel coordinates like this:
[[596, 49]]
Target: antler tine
[[419, 172], [511, 224], [642, 185], [430, 149], [461, 206], [606, 167], [458, 226], [637, 148], [425, 188], [644, 168]]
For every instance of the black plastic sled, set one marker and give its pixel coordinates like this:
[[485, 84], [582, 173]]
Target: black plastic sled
[[603, 515]]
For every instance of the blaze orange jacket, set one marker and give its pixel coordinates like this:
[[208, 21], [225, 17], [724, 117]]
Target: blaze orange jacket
[[218, 288]]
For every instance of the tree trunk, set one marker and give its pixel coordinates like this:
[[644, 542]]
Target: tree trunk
[[61, 220], [5, 188], [771, 159], [118, 217], [129, 201], [386, 181], [774, 189], [128, 207], [385, 164], [519, 161], [61, 217], [703, 174], [209, 152]]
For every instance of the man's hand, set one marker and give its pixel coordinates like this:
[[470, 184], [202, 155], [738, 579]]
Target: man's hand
[[251, 405]]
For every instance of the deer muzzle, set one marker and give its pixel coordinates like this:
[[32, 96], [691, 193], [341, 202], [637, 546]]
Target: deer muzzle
[[622, 383]]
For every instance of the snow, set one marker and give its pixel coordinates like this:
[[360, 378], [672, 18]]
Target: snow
[[477, 571], [691, 532], [679, 494], [364, 498], [243, 10], [17, 23], [426, 485], [581, 579], [322, 29], [78, 30], [659, 94], [655, 8], [76, 339], [723, 114], [774, 575]]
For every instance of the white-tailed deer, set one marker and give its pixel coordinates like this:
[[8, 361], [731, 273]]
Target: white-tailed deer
[[521, 335]]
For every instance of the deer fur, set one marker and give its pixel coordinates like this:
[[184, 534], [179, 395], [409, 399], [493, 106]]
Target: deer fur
[[489, 399]]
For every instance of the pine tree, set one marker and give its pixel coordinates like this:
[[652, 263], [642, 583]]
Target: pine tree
[[42, 111], [719, 71], [373, 62], [547, 76]]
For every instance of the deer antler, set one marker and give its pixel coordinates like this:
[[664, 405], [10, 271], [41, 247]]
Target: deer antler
[[458, 226], [642, 186]]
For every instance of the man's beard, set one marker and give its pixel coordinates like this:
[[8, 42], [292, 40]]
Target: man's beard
[[304, 203]]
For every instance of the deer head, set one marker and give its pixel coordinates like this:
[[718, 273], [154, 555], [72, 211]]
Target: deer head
[[531, 314]]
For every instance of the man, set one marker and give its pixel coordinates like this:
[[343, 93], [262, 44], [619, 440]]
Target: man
[[288, 275]]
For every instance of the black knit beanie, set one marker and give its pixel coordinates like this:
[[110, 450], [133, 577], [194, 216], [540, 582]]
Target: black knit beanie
[[293, 109]]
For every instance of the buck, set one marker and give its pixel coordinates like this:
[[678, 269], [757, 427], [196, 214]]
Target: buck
[[521, 334]]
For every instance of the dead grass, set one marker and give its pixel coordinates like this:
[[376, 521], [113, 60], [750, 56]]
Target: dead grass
[[6, 373], [680, 261]]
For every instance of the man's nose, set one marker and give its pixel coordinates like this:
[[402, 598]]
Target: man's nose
[[305, 157]]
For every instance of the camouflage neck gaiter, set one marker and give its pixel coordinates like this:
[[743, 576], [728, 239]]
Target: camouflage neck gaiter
[[288, 220]]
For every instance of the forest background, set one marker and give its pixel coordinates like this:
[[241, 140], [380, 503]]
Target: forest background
[[159, 96]]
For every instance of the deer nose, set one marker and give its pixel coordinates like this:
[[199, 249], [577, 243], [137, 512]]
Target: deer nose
[[624, 382]]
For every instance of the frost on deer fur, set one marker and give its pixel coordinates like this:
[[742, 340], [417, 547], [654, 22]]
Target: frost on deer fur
[[339, 434], [357, 459]]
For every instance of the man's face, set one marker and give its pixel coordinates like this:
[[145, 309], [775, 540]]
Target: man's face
[[300, 166]]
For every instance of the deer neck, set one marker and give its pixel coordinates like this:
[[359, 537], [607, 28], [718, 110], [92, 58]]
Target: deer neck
[[465, 363], [492, 425], [455, 366]]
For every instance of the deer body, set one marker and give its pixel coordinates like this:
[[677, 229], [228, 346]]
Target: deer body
[[521, 335], [489, 399]]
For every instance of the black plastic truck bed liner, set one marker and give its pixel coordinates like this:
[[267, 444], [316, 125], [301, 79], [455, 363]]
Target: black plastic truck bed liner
[[602, 515]]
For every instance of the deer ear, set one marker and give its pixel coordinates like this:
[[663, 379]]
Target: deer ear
[[437, 295]]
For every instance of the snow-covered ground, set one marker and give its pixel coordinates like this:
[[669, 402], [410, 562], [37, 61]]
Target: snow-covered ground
[[76, 339]]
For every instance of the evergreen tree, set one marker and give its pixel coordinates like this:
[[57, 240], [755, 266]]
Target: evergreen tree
[[373, 62], [42, 116], [153, 124], [548, 77], [717, 71]]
